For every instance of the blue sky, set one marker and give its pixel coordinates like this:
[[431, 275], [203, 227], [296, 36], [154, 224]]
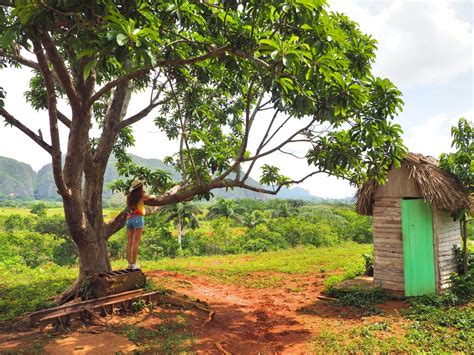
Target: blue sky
[[425, 48]]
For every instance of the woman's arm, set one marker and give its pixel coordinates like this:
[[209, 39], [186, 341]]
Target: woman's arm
[[148, 197]]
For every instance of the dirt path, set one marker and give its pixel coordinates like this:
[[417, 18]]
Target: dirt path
[[280, 319], [267, 320]]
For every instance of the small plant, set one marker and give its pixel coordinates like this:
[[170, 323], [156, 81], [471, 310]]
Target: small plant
[[85, 291], [138, 305], [358, 297], [369, 263]]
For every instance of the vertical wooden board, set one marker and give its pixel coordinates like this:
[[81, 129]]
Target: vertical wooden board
[[418, 252]]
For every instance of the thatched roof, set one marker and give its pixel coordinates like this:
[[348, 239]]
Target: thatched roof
[[438, 187]]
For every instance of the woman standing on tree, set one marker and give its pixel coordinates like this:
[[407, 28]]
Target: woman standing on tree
[[135, 221]]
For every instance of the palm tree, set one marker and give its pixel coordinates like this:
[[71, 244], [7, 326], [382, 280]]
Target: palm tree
[[183, 214], [225, 208]]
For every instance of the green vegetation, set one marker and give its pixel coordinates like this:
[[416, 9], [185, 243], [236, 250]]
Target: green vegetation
[[25, 289], [170, 337], [253, 226], [38, 261]]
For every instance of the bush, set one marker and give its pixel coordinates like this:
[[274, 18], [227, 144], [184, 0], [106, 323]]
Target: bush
[[256, 245], [261, 238], [157, 243], [298, 230], [34, 248], [39, 209]]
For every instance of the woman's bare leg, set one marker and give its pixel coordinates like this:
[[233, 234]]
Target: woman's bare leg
[[129, 245], [137, 235]]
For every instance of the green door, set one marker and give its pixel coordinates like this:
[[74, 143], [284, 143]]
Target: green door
[[418, 254]]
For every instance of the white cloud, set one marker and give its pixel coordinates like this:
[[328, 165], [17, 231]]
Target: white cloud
[[420, 42], [433, 136]]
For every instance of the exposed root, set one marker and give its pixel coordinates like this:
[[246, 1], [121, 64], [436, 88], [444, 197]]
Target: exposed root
[[70, 294], [221, 349], [209, 317], [183, 301]]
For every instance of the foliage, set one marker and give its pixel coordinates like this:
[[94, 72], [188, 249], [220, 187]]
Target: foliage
[[358, 297], [39, 209], [23, 289], [461, 164], [369, 264], [211, 69], [224, 208]]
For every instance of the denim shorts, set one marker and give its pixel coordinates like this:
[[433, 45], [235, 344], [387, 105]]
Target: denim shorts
[[136, 222]]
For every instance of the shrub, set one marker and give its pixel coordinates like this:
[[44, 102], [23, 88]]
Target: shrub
[[256, 245], [39, 209], [261, 238]]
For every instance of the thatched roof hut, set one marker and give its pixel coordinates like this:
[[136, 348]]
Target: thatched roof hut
[[438, 187], [414, 232]]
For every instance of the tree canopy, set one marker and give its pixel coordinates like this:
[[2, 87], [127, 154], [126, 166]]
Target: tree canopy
[[214, 72], [212, 67]]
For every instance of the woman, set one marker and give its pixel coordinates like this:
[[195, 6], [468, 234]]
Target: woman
[[135, 221]]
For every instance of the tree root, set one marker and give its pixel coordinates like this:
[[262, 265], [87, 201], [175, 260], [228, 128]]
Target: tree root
[[185, 302], [221, 349], [70, 294]]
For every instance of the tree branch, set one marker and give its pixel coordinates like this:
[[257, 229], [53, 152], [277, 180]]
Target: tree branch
[[140, 115], [20, 59], [64, 119], [285, 142], [53, 120], [143, 71], [14, 122], [61, 70], [188, 192]]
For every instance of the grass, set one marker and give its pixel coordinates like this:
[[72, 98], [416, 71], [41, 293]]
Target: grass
[[432, 329], [342, 259], [50, 212], [25, 290], [169, 337]]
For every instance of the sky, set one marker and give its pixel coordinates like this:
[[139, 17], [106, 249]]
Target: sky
[[425, 47]]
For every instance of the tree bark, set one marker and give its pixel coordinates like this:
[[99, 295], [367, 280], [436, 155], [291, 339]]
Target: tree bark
[[180, 231], [464, 244]]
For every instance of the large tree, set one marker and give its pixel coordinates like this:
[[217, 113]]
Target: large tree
[[461, 164], [215, 72]]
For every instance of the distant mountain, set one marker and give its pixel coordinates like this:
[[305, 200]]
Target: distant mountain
[[46, 189], [298, 193], [17, 180]]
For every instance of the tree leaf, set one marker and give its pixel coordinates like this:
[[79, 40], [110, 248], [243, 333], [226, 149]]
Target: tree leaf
[[121, 39]]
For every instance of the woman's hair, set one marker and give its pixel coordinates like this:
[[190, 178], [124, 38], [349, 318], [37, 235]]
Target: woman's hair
[[135, 196]]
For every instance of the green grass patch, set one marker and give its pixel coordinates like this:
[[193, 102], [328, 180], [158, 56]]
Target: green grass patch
[[358, 297], [108, 213], [26, 290], [170, 337], [344, 258]]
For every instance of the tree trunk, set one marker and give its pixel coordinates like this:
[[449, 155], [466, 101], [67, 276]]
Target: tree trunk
[[88, 232], [93, 259], [464, 244], [180, 232]]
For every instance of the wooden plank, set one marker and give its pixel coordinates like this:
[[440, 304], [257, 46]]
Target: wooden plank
[[446, 257], [390, 285], [389, 246], [395, 263], [388, 258], [391, 278], [384, 251]]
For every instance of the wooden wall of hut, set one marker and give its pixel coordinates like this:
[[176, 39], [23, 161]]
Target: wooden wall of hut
[[388, 244], [447, 233], [398, 185]]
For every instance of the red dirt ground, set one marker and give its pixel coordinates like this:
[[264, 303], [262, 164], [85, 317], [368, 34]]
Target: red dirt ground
[[246, 321]]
